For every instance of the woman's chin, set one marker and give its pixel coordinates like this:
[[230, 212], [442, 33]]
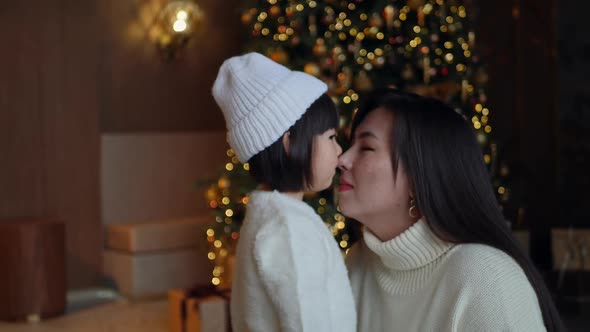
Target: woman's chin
[[345, 208]]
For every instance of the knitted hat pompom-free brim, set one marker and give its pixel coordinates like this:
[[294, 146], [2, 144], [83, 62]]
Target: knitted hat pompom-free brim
[[260, 100]]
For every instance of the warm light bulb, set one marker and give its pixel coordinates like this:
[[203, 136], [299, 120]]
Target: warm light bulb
[[179, 26]]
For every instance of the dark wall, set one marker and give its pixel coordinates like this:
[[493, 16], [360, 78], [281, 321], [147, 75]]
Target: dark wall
[[517, 38], [141, 92], [539, 57], [49, 134], [574, 112]]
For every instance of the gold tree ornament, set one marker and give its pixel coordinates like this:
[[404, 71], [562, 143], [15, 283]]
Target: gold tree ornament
[[320, 49], [246, 18], [376, 20], [312, 68], [223, 183], [408, 73], [362, 81], [294, 41], [279, 56], [444, 91], [389, 14], [275, 11], [342, 84], [482, 138]]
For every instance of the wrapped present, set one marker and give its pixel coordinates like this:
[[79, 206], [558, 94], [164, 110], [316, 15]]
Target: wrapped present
[[156, 235], [200, 309], [146, 259], [570, 248]]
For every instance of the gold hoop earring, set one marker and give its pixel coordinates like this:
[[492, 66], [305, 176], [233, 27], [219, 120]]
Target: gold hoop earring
[[413, 211]]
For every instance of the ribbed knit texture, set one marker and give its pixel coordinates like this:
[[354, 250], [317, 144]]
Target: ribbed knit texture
[[417, 282], [260, 100]]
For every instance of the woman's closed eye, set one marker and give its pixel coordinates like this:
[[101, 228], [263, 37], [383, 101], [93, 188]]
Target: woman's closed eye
[[367, 148]]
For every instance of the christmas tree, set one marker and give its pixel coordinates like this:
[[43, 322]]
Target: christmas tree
[[423, 46]]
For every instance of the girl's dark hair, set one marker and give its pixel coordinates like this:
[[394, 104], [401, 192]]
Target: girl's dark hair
[[445, 167], [291, 172]]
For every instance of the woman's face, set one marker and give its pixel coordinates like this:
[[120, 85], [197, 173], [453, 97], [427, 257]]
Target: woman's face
[[369, 191]]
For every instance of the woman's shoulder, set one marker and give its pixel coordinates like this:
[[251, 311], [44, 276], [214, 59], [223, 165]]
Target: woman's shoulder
[[493, 292], [482, 266]]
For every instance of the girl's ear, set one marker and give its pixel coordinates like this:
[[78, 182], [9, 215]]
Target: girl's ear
[[286, 141]]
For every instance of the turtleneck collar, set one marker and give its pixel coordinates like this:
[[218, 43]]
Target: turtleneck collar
[[416, 247]]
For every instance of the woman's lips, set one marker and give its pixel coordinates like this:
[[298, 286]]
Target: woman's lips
[[344, 186]]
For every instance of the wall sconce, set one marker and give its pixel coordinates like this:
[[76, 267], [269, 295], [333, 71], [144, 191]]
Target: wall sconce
[[177, 23]]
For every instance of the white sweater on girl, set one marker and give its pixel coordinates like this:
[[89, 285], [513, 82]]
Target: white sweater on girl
[[417, 282], [289, 274]]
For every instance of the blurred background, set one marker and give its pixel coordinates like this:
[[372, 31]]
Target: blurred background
[[114, 171]]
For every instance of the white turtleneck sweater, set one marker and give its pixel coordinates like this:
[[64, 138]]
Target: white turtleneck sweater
[[417, 282], [289, 274]]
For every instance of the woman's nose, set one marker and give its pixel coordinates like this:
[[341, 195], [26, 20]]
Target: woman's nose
[[344, 161]]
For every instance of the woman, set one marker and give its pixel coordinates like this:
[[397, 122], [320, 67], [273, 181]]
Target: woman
[[437, 254]]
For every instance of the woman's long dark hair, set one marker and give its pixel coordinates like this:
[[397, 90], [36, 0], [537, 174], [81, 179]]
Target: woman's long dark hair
[[445, 167]]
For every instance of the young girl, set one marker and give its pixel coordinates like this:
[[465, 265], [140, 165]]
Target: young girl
[[289, 273]]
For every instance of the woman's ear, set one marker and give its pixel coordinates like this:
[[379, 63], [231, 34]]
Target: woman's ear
[[286, 141]]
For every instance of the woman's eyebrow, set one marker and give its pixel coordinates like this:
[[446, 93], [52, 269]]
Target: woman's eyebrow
[[366, 134]]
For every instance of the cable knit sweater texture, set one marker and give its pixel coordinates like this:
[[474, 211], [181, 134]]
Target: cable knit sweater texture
[[289, 273], [417, 282]]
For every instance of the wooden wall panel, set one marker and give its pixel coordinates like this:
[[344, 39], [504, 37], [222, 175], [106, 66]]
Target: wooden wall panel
[[574, 110], [21, 130], [517, 40], [496, 42], [49, 124], [146, 177], [142, 93], [69, 67], [536, 104], [73, 133]]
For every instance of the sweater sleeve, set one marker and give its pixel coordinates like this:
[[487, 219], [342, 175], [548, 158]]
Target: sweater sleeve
[[293, 266], [497, 298]]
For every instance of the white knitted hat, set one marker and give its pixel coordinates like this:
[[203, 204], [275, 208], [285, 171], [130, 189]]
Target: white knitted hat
[[261, 100]]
